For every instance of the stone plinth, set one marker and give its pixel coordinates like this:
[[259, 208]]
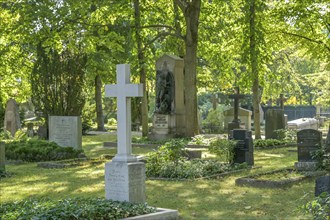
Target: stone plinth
[[2, 157], [125, 181], [274, 121], [66, 131], [305, 166], [244, 116]]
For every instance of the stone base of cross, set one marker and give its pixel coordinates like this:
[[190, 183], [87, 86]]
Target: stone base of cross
[[124, 175]]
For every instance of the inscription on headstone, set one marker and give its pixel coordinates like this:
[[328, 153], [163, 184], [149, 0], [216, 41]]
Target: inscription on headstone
[[322, 184], [161, 121], [66, 131], [308, 141]]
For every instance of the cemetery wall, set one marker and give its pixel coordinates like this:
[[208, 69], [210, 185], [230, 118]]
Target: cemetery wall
[[295, 112]]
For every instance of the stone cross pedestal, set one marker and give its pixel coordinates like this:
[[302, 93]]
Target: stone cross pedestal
[[124, 175]]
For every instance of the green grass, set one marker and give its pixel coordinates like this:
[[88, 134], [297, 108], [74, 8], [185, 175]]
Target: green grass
[[201, 199]]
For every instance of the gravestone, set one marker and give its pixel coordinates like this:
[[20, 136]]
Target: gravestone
[[308, 141], [303, 123], [169, 115], [327, 142], [244, 116], [66, 131], [2, 157], [274, 121], [244, 147], [124, 175], [12, 120], [322, 184], [42, 132]]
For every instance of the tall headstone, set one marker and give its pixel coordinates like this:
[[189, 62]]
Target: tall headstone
[[124, 175], [308, 141], [244, 147], [274, 121], [169, 114], [12, 120], [66, 131], [2, 157]]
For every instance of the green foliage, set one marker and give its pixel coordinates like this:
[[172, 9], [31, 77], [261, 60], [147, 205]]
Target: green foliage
[[72, 208], [33, 150], [199, 140], [286, 134], [223, 149], [323, 159], [268, 143], [319, 208], [214, 120]]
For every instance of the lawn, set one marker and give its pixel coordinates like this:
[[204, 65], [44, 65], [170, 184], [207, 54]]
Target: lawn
[[200, 199]]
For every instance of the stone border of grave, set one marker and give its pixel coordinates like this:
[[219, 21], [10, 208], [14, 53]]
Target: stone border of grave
[[273, 184], [114, 145], [161, 214], [216, 176], [71, 163]]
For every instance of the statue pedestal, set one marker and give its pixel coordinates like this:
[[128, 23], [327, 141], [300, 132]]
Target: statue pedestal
[[163, 127]]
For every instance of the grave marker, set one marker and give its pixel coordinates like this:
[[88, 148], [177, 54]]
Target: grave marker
[[124, 175], [322, 184], [244, 147], [308, 141], [2, 157], [66, 131], [274, 121], [12, 120]]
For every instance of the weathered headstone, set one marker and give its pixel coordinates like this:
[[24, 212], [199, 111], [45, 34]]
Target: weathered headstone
[[42, 132], [66, 131], [244, 116], [274, 121], [327, 142], [12, 120], [322, 184], [308, 141], [244, 147], [2, 157], [124, 175], [169, 114]]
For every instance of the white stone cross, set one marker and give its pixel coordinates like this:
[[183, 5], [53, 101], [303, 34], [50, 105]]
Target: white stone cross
[[123, 90]]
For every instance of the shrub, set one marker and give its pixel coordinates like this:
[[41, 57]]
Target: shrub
[[33, 150], [261, 143], [289, 135], [214, 120], [319, 208], [75, 208], [223, 149]]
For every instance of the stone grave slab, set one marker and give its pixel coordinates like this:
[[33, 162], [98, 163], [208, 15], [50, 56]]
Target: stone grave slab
[[322, 184], [66, 131], [308, 141], [244, 148], [303, 123]]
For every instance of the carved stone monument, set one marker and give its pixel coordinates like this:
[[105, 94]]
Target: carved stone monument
[[66, 131], [274, 121], [169, 119], [12, 121], [124, 175]]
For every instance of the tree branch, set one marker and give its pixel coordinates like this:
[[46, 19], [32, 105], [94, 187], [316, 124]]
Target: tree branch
[[307, 38]]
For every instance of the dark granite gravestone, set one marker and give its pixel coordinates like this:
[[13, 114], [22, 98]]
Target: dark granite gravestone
[[322, 184], [308, 141], [244, 147], [274, 121], [327, 142], [2, 157]]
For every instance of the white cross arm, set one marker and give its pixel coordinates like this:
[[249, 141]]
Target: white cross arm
[[129, 90]]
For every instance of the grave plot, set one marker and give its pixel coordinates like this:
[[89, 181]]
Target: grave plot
[[73, 162], [277, 178]]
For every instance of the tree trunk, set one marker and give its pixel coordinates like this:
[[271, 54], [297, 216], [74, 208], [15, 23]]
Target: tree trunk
[[191, 11], [255, 70], [143, 77], [98, 100]]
